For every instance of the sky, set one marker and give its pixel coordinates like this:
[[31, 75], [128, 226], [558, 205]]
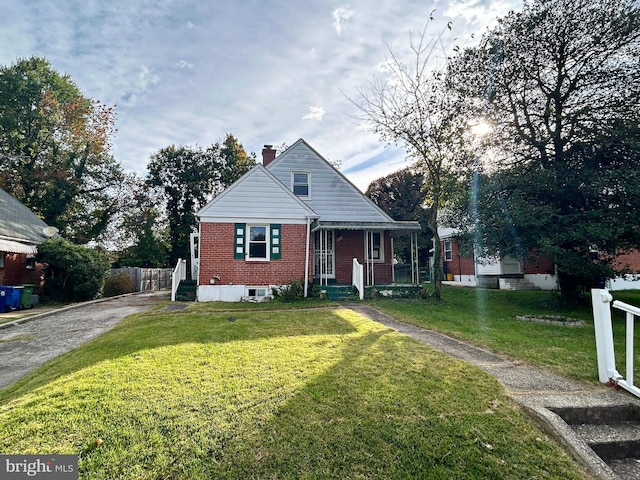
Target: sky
[[187, 72]]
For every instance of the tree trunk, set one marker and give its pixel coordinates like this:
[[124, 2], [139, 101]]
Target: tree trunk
[[437, 263]]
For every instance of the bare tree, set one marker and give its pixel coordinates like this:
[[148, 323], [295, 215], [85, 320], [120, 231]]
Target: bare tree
[[411, 106]]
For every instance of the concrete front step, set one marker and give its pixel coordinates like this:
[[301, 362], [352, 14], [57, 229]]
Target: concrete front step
[[612, 432]]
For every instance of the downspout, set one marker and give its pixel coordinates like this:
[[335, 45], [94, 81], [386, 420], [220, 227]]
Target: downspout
[[306, 262]]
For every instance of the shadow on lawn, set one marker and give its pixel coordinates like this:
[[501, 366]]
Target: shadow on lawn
[[390, 408], [157, 329]]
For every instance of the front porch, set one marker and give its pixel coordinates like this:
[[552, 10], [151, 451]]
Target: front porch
[[361, 255]]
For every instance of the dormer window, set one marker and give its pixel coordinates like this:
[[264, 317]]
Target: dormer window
[[300, 184]]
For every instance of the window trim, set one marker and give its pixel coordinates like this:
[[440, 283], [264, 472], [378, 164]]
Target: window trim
[[380, 258], [266, 242], [446, 250], [294, 184], [256, 288]]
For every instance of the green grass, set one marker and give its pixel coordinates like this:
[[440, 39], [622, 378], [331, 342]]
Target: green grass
[[488, 318], [320, 393]]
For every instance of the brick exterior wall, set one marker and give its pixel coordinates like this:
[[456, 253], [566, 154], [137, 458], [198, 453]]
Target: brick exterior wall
[[630, 261], [459, 264], [216, 258], [464, 265], [350, 245], [15, 272]]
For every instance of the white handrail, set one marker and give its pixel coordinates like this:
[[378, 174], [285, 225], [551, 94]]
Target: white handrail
[[179, 274], [357, 277], [607, 371]]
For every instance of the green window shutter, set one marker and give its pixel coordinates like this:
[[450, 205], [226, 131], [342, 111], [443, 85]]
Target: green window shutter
[[239, 237], [276, 235]]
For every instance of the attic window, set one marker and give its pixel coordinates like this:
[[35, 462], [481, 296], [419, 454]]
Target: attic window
[[300, 183]]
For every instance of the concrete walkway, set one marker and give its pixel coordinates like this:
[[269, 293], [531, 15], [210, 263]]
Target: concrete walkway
[[537, 390], [28, 342]]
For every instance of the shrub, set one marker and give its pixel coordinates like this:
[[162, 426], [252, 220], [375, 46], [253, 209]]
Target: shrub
[[295, 292], [118, 284], [73, 272]]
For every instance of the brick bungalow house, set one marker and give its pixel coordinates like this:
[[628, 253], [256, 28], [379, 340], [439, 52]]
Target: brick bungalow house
[[293, 218], [21, 231], [513, 274]]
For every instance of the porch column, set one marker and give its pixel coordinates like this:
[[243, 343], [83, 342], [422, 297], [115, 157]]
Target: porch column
[[415, 266]]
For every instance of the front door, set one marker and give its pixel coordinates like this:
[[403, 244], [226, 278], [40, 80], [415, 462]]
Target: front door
[[324, 257]]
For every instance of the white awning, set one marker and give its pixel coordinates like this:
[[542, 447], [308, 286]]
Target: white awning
[[17, 247]]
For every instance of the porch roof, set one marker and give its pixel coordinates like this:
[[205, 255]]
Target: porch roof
[[17, 247], [395, 226]]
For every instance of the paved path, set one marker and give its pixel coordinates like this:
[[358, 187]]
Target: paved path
[[28, 343]]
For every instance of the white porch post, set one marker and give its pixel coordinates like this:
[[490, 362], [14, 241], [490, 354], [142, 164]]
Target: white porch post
[[306, 262], [393, 265]]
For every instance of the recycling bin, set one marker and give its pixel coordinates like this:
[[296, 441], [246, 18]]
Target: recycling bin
[[11, 297], [26, 294], [3, 299]]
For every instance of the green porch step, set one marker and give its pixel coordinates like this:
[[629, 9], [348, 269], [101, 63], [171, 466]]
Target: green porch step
[[186, 291], [339, 293]]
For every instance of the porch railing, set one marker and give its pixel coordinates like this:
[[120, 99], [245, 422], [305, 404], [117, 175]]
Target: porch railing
[[179, 274], [357, 277], [602, 302]]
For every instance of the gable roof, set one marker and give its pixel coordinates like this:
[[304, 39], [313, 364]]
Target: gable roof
[[339, 203], [257, 195], [20, 229]]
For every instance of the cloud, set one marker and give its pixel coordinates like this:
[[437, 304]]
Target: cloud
[[315, 112], [340, 15], [184, 64], [480, 12]]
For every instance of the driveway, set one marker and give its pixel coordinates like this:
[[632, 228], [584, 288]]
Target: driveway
[[26, 346]]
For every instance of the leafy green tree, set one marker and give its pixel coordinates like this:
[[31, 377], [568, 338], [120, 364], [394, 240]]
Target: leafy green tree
[[54, 147], [149, 245], [402, 196], [234, 160], [560, 84], [188, 177], [73, 272]]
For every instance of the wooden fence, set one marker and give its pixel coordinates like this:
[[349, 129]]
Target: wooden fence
[[147, 279]]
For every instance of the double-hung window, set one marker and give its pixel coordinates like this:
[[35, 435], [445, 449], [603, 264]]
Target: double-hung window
[[257, 246], [448, 254], [374, 246], [300, 184]]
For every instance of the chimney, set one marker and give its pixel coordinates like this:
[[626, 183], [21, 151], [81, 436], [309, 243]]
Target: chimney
[[268, 155]]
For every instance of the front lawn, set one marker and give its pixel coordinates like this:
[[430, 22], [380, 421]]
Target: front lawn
[[320, 393]]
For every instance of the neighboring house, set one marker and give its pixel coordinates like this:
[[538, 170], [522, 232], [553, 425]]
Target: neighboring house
[[506, 273], [293, 218], [512, 273], [21, 231]]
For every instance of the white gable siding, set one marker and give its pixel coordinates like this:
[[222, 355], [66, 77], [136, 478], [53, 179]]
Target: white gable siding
[[257, 195], [332, 196]]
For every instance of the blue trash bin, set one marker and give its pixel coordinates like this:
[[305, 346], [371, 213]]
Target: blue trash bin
[[11, 298], [4, 296]]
